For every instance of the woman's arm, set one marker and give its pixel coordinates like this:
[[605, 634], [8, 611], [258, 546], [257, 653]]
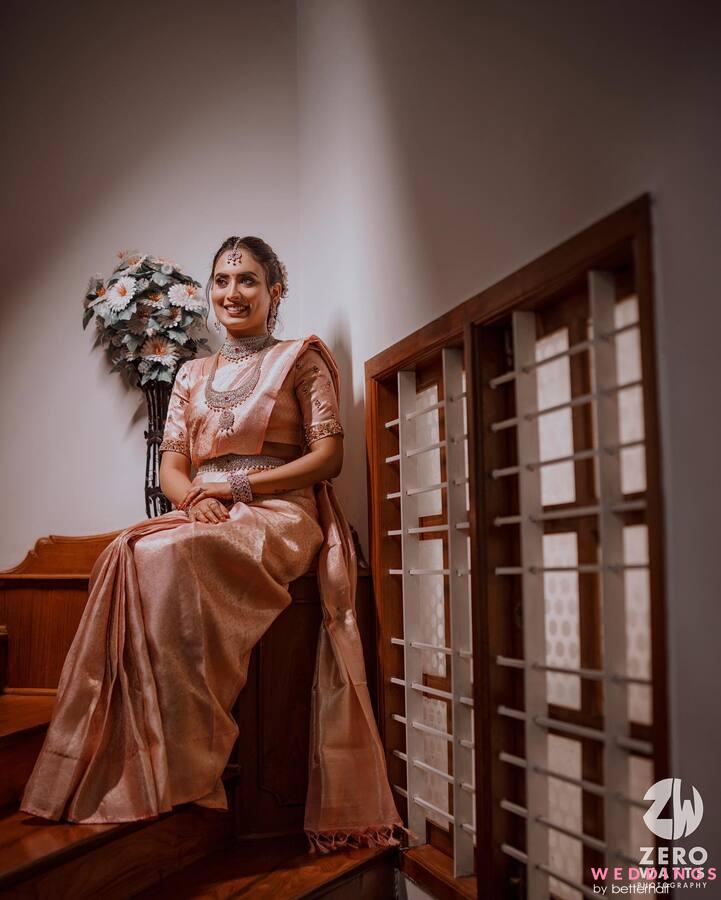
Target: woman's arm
[[324, 460], [175, 476]]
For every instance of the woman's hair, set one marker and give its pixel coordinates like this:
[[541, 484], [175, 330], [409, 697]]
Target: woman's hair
[[263, 254]]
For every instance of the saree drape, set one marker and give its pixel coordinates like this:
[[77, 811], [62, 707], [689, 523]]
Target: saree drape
[[143, 715]]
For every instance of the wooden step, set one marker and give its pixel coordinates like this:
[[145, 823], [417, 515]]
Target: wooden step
[[281, 868], [23, 723], [41, 859]]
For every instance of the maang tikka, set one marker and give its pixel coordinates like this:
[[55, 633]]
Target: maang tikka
[[234, 255]]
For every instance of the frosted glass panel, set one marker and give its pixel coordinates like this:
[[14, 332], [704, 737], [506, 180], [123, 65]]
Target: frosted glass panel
[[562, 632], [638, 622], [555, 430], [640, 772], [630, 400], [435, 753], [565, 808], [430, 597], [429, 464]]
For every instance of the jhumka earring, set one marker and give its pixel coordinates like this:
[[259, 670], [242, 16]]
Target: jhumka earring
[[272, 318]]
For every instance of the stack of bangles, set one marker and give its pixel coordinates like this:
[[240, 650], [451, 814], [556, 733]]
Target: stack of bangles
[[240, 486]]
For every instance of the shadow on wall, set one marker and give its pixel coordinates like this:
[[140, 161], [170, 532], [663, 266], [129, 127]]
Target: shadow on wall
[[352, 489]]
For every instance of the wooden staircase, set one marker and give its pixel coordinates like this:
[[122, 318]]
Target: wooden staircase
[[189, 852]]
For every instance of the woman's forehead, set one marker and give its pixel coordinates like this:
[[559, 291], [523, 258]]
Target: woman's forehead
[[241, 260]]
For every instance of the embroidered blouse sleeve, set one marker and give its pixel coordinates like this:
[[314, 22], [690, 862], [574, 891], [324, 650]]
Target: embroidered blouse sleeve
[[175, 436], [317, 398]]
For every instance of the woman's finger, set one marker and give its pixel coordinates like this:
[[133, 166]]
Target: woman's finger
[[184, 501], [212, 512], [196, 498], [222, 511]]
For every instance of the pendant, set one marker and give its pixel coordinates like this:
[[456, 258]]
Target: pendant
[[226, 420]]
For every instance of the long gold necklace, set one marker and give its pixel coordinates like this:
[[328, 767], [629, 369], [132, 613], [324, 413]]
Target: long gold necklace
[[224, 401]]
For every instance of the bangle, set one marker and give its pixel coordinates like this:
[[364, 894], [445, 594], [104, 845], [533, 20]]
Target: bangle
[[240, 486]]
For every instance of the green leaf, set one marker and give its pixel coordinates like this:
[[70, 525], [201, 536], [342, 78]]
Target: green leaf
[[87, 316], [165, 375], [177, 335]]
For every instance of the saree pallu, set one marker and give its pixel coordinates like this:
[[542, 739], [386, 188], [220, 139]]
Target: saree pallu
[[143, 716]]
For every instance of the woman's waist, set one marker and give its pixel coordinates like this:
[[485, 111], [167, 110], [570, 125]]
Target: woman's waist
[[245, 462]]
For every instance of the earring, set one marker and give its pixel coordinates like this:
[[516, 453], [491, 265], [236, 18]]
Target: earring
[[218, 327], [272, 318]]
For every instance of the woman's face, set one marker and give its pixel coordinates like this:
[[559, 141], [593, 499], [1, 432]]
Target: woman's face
[[240, 296]]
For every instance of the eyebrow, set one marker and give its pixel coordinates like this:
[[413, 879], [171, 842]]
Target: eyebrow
[[254, 274]]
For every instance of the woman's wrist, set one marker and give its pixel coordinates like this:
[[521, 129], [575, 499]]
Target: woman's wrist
[[240, 486]]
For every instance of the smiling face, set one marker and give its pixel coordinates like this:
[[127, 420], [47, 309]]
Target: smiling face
[[240, 294]]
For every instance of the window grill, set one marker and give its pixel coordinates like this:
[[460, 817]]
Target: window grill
[[516, 530]]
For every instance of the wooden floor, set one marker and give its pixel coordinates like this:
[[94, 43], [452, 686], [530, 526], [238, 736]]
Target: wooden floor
[[281, 869]]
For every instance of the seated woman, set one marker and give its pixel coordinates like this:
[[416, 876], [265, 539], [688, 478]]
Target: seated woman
[[143, 715]]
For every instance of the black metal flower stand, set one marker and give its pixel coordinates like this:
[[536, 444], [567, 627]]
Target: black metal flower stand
[[157, 397]]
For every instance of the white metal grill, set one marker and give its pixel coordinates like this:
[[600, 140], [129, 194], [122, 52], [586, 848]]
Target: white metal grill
[[544, 472], [430, 644]]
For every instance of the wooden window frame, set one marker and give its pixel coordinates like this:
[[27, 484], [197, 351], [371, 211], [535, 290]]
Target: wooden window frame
[[622, 238]]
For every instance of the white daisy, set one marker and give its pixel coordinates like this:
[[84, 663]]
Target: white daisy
[[186, 296], [121, 293], [155, 299], [159, 349], [135, 262]]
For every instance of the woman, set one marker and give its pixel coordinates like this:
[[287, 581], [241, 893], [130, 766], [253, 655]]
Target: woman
[[143, 716]]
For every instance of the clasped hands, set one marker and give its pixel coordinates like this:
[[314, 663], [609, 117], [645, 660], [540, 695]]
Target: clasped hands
[[208, 502]]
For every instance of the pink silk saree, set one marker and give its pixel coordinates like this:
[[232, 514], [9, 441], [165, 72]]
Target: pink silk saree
[[143, 717]]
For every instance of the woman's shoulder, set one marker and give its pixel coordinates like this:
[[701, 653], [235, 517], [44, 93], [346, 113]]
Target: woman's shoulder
[[191, 368]]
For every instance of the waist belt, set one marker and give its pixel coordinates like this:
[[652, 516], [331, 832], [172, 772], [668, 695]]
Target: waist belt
[[234, 462]]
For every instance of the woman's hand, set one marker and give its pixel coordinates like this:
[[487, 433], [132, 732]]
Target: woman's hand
[[209, 510], [221, 490]]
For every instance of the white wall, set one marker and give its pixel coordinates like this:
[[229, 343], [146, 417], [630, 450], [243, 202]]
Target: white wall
[[445, 145], [160, 126]]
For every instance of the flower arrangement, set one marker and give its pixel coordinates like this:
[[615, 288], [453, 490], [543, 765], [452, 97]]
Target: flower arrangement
[[149, 315]]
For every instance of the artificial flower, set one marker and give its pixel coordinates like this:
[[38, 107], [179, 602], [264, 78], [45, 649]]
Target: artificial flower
[[196, 328], [172, 316], [154, 298], [138, 324], [95, 285], [159, 349], [144, 335], [121, 293], [186, 296]]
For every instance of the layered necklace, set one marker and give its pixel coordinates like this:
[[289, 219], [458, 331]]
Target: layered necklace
[[237, 349]]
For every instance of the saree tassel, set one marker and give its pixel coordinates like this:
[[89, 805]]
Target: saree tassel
[[380, 836]]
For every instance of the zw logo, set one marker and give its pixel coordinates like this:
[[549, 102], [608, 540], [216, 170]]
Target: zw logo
[[686, 816]]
